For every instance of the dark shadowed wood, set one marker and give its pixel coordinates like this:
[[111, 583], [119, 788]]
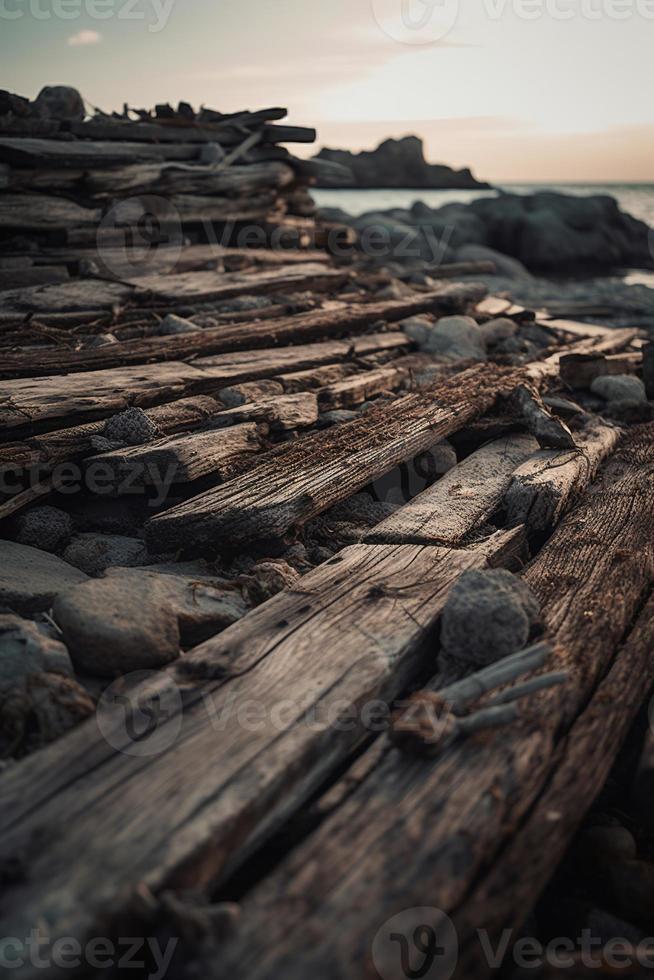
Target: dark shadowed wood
[[176, 459], [425, 832], [29, 403], [223, 339], [353, 631], [307, 477]]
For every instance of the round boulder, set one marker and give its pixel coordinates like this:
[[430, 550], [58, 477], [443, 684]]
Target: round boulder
[[488, 616], [46, 528], [619, 387]]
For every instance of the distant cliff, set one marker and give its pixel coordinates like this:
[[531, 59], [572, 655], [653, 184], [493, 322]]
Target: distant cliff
[[395, 163]]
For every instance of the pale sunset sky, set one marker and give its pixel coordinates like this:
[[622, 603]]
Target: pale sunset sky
[[516, 89]]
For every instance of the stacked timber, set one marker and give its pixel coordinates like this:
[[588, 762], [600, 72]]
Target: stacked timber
[[151, 179], [339, 588]]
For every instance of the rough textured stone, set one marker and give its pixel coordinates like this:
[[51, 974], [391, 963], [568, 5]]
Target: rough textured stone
[[619, 387], [135, 620], [25, 650], [504, 264], [95, 553], [493, 331], [61, 102], [131, 428], [172, 325], [633, 886], [488, 616], [46, 528], [268, 578], [453, 338], [30, 579], [338, 415]]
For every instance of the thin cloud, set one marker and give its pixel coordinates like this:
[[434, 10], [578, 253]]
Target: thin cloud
[[84, 37]]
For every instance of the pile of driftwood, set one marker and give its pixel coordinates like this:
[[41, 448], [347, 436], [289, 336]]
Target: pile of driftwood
[[267, 488], [77, 190]]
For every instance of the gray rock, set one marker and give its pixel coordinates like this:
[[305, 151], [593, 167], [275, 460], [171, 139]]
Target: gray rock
[[619, 387], [60, 102], [629, 411], [172, 325], [46, 528], [488, 616], [493, 331], [100, 340], [135, 620], [25, 650], [243, 304], [131, 428], [267, 578], [95, 553], [417, 328], [607, 844], [30, 579], [453, 338], [211, 154], [632, 883], [362, 509], [504, 264], [337, 416]]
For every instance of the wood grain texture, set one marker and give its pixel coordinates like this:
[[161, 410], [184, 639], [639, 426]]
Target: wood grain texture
[[301, 480], [544, 486], [297, 329], [27, 403], [463, 499], [352, 632], [430, 833], [177, 459]]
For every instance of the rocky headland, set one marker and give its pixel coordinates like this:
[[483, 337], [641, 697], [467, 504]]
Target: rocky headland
[[395, 163]]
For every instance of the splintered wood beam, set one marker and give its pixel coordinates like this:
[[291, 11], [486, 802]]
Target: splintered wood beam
[[57, 447], [477, 831], [462, 500], [28, 405], [43, 212], [178, 290], [234, 782], [177, 459], [305, 478], [544, 486], [301, 328]]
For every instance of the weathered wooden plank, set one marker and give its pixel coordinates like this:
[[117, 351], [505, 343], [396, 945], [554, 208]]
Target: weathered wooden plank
[[51, 448], [428, 830], [543, 487], [66, 154], [236, 181], [174, 290], [377, 607], [177, 459], [462, 500], [506, 893], [304, 478], [43, 212], [227, 337], [281, 412], [580, 370], [360, 387], [27, 403], [570, 328]]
